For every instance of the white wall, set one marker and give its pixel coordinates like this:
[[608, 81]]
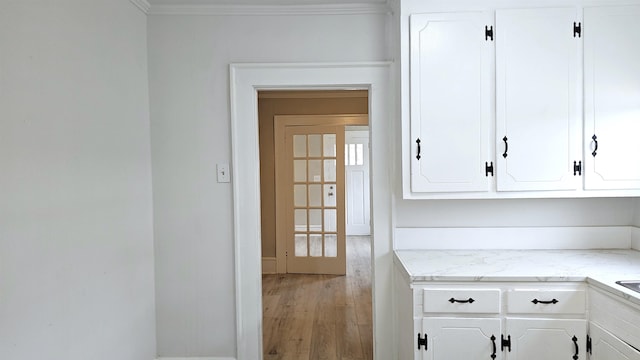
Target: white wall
[[636, 220], [515, 212], [189, 90], [76, 241]]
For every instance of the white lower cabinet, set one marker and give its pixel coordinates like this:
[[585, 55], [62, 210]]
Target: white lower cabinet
[[606, 346], [447, 338], [507, 321], [535, 339]]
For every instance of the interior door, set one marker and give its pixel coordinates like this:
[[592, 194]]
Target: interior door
[[356, 151], [314, 199]]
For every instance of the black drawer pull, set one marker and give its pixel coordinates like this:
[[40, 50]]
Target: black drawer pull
[[469, 301], [493, 341], [547, 302], [575, 342]]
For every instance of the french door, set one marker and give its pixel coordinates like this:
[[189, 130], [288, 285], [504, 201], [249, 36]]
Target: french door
[[312, 189]]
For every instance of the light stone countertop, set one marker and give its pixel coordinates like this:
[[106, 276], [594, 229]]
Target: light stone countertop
[[601, 268]]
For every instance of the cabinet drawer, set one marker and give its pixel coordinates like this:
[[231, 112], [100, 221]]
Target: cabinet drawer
[[461, 301], [546, 301]]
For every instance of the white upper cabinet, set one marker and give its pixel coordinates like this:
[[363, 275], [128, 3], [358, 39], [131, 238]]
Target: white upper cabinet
[[451, 70], [537, 119], [612, 97]]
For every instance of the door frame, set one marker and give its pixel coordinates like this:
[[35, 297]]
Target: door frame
[[245, 81], [280, 123]]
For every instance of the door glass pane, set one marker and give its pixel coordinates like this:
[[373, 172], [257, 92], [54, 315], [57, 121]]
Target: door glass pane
[[315, 145], [299, 145], [299, 195], [330, 170], [352, 154], [315, 195], [330, 218], [301, 245], [329, 145], [300, 170], [315, 170], [300, 220], [331, 245], [359, 154], [315, 220], [315, 245], [330, 195]]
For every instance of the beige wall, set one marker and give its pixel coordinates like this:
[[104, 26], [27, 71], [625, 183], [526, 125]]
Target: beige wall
[[271, 103]]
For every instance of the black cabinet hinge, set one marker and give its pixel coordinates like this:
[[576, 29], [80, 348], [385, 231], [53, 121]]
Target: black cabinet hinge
[[588, 344], [577, 168], [505, 342], [577, 29], [422, 341], [488, 33], [488, 169]]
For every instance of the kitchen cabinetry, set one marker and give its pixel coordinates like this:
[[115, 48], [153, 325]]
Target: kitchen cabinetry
[[614, 327], [567, 81], [612, 97], [606, 346], [493, 320], [450, 65], [537, 120]]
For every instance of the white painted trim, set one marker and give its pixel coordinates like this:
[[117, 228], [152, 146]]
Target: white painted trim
[[635, 238], [596, 237], [269, 265], [195, 358], [245, 81], [268, 10], [142, 5]]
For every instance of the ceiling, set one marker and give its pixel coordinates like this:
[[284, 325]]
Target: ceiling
[[263, 2]]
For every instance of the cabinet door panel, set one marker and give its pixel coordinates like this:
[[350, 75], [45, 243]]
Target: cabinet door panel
[[460, 338], [536, 89], [450, 102], [612, 97], [605, 346], [535, 339]]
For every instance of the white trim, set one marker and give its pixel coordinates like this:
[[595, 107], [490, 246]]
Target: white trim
[[245, 81], [142, 5], [270, 10], [195, 358], [269, 265], [635, 238], [587, 237]]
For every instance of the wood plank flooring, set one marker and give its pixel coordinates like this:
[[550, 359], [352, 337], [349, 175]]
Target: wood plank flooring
[[320, 317]]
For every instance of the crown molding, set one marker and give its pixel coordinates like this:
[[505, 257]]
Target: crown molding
[[143, 5], [268, 10]]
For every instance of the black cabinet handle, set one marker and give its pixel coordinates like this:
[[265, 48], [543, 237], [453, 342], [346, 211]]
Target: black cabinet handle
[[418, 142], [506, 147], [469, 300], [595, 140], [493, 341], [546, 302], [575, 342]]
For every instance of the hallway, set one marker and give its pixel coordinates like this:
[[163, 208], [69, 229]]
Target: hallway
[[321, 316]]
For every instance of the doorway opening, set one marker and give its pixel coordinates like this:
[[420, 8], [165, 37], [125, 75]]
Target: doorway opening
[[321, 315]]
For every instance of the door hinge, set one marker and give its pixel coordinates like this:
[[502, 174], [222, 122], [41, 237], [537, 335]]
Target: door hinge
[[422, 341], [577, 168], [505, 342], [488, 33], [589, 344], [577, 29], [488, 168]]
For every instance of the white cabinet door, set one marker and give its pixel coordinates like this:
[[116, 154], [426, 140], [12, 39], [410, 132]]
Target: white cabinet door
[[537, 121], [450, 72], [605, 346], [461, 338], [612, 97], [535, 339]]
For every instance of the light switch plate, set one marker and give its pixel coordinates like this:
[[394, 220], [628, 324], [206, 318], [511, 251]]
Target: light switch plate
[[223, 173]]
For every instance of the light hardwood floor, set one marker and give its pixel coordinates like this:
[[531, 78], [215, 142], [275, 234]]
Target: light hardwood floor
[[319, 317]]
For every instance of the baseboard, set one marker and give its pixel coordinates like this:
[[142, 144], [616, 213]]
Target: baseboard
[[586, 237], [195, 358], [635, 238], [269, 265]]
